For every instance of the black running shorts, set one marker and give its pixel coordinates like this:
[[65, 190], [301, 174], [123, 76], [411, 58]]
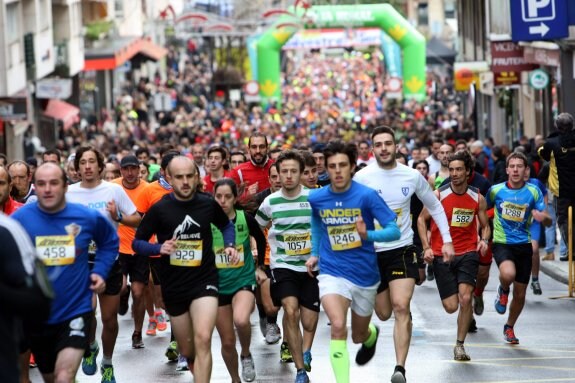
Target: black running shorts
[[520, 255], [289, 283], [448, 276], [53, 338], [398, 263]]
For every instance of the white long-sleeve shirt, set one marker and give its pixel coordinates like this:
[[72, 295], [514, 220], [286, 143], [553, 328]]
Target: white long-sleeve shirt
[[395, 187]]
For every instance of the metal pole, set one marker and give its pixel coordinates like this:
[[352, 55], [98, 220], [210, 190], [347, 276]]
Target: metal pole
[[570, 230]]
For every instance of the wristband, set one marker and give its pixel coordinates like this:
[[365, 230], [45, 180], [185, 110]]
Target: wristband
[[119, 219]]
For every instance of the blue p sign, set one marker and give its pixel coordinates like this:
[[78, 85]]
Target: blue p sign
[[537, 10]]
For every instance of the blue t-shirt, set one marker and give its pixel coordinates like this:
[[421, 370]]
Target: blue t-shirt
[[512, 213], [342, 253], [61, 240]]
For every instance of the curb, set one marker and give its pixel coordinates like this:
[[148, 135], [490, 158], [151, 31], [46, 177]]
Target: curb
[[554, 272]]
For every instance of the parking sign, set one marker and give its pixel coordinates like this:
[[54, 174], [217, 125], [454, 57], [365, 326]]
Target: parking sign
[[538, 20]]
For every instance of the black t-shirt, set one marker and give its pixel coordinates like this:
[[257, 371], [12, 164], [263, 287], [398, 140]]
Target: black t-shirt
[[185, 221]]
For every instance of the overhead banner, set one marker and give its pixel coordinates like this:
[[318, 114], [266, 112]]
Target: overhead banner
[[334, 38], [382, 16]]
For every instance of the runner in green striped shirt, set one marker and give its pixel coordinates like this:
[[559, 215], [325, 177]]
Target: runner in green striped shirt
[[287, 213]]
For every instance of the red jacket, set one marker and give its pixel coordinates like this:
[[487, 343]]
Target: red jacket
[[248, 174], [11, 206]]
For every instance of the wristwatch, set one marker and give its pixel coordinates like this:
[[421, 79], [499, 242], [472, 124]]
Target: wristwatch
[[119, 218]]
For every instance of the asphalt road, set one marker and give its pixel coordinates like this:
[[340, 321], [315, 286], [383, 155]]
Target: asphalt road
[[546, 353]]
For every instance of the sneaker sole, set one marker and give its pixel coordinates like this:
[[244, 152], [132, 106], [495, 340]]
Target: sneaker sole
[[397, 378]]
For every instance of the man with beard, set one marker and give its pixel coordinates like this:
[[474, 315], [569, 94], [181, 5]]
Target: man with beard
[[253, 175], [397, 260], [7, 204]]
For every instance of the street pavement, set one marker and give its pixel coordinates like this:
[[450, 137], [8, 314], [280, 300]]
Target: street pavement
[[546, 353]]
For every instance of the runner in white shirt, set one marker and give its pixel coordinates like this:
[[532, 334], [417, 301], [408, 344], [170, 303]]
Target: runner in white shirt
[[113, 202], [398, 260]]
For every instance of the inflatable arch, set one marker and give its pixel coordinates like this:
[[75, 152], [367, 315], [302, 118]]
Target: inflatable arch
[[382, 16]]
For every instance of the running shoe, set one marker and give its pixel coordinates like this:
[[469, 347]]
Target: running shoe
[[301, 377], [182, 363], [509, 335], [459, 353], [152, 325], [307, 360], [536, 286], [162, 325], [398, 377], [364, 354], [107, 374], [89, 366], [32, 363], [285, 354], [171, 352], [478, 305], [273, 333], [137, 341], [263, 325], [472, 326], [124, 301], [248, 368], [501, 301]]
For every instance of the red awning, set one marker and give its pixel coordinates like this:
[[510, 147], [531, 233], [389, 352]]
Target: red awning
[[62, 111], [112, 54]]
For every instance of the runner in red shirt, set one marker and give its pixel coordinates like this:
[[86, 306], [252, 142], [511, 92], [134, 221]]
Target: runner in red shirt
[[254, 174], [456, 277], [8, 205]]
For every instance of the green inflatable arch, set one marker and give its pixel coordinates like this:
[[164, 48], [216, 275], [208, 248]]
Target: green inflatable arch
[[383, 16]]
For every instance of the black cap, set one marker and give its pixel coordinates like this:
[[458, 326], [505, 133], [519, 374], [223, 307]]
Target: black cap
[[129, 161]]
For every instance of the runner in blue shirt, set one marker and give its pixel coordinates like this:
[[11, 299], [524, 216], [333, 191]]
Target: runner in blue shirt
[[62, 233], [516, 204], [343, 233]]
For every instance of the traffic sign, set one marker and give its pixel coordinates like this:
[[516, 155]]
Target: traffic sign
[[252, 88], [538, 20], [538, 79]]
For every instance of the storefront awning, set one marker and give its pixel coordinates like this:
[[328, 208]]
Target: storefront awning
[[112, 54], [62, 111]]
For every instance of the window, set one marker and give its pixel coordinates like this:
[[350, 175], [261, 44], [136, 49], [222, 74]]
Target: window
[[422, 15], [119, 8], [449, 9], [12, 22], [44, 16]]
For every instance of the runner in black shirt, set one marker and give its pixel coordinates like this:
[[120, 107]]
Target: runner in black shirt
[[181, 221]]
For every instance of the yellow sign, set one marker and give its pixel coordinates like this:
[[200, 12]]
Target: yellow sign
[[268, 88], [397, 32], [467, 73], [282, 35], [414, 84]]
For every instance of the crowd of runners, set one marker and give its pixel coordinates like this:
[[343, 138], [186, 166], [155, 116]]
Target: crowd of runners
[[338, 200]]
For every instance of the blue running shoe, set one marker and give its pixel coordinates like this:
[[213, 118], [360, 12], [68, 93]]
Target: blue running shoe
[[107, 374], [307, 360], [501, 300], [301, 377], [89, 366]]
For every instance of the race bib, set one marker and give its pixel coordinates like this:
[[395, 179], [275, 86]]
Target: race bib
[[343, 237], [461, 217], [223, 261], [298, 244], [187, 254], [56, 250], [513, 212], [397, 212]]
